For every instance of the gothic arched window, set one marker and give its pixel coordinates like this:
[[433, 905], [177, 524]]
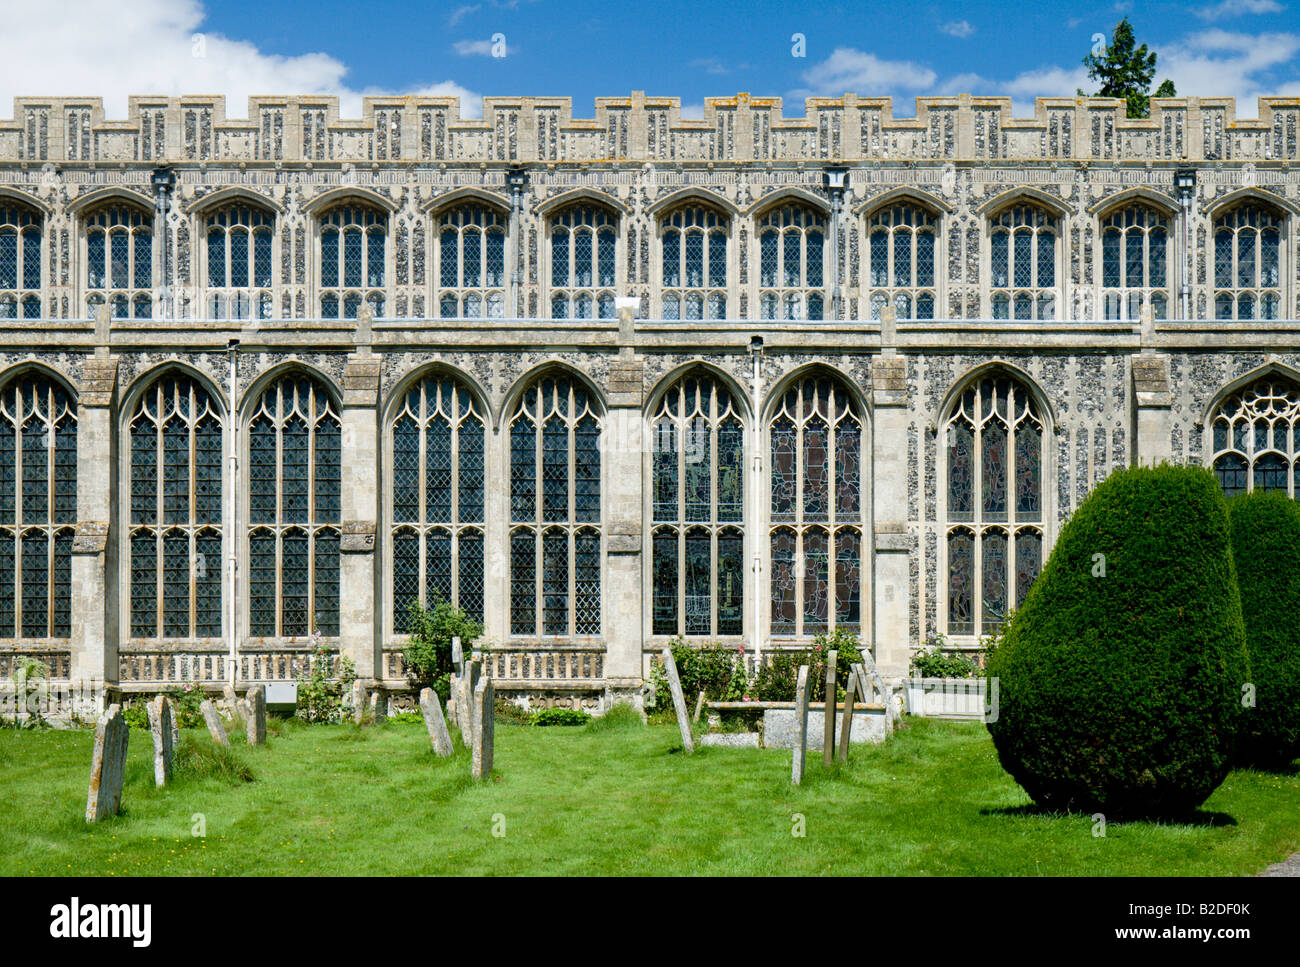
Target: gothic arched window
[[294, 480], [792, 252], [119, 262], [555, 553], [694, 257], [1023, 264], [471, 263], [816, 530], [20, 263], [239, 263], [38, 508], [994, 441], [352, 245], [438, 515], [1248, 264], [1255, 441], [582, 264], [904, 242], [176, 511], [698, 470], [1134, 263]]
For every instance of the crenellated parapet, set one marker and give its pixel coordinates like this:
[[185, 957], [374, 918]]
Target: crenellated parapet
[[641, 128]]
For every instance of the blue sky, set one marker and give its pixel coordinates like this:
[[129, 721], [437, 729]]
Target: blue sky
[[585, 49]]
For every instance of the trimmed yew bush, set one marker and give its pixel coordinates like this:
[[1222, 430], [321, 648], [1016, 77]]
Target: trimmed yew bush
[[1120, 676], [1266, 550]]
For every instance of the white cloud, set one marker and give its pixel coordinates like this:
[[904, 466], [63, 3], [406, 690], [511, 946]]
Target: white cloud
[[473, 48], [78, 48], [1238, 8], [693, 112], [1219, 63], [460, 13], [1023, 88], [957, 28], [848, 69]]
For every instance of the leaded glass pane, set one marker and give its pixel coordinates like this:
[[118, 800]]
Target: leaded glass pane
[[176, 584], [731, 583], [731, 470], [698, 573], [8, 582], [555, 583], [993, 464], [848, 578], [664, 566], [35, 584], [207, 586], [816, 581], [586, 583], [261, 583], [816, 470], [1029, 561], [293, 584], [406, 577], [437, 567], [438, 473], [1029, 446], [471, 574], [993, 566], [783, 582], [961, 581], [144, 585]]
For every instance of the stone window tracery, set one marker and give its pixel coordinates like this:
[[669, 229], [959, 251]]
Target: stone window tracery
[[583, 264], [1135, 263], [1255, 439], [792, 257], [1248, 264], [20, 263], [903, 241], [119, 262], [471, 270], [353, 242], [1022, 263], [239, 263], [693, 249]]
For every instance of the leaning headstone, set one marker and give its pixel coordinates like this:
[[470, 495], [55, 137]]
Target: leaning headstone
[[160, 724], [176, 730], [215, 726], [484, 728], [465, 705], [434, 721], [846, 723], [699, 707], [679, 703], [828, 709], [801, 726], [457, 656], [107, 765], [255, 725], [378, 706]]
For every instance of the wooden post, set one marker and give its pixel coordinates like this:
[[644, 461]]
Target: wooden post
[[828, 710], [846, 726]]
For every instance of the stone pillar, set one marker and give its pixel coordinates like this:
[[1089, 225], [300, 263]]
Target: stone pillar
[[1152, 401], [891, 581], [360, 607], [94, 603], [623, 619]]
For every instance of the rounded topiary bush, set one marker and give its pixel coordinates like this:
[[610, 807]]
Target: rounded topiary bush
[[1266, 550], [1119, 677]]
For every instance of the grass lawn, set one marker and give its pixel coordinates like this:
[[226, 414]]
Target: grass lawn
[[621, 799]]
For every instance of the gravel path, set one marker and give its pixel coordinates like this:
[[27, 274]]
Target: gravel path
[[1288, 867]]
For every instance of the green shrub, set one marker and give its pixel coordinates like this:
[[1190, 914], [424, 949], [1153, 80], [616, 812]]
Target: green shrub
[[932, 661], [325, 691], [778, 677], [428, 650], [560, 716], [135, 714], [507, 711], [1266, 551], [1120, 675], [186, 700]]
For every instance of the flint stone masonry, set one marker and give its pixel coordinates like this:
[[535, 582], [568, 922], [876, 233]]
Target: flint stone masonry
[[255, 724], [107, 765], [161, 722], [216, 728], [434, 721]]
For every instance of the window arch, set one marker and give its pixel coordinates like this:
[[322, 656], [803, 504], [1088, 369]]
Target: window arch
[[1023, 264], [353, 240], [20, 263], [38, 507], [295, 474], [994, 441], [583, 241], [1135, 263], [1248, 263], [816, 439], [175, 527], [904, 248], [1255, 439], [437, 511], [119, 262], [239, 263], [471, 263], [555, 547], [693, 246], [792, 255], [698, 506]]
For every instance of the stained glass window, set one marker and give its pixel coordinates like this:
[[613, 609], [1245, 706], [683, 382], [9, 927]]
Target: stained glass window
[[994, 455], [693, 245], [471, 256], [698, 446], [582, 264], [1134, 263], [20, 263], [352, 260], [792, 253], [1022, 246], [295, 482], [817, 579], [38, 507], [1248, 264], [902, 249], [239, 263], [119, 261], [438, 467], [555, 511], [1255, 439], [177, 443]]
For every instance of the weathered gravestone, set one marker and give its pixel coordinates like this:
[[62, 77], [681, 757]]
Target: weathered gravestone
[[107, 765], [801, 726], [434, 721], [255, 725], [160, 724], [699, 707], [679, 703], [216, 727], [378, 706], [465, 719], [846, 723], [484, 728], [828, 709]]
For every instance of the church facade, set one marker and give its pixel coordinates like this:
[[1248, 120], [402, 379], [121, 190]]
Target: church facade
[[605, 383]]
